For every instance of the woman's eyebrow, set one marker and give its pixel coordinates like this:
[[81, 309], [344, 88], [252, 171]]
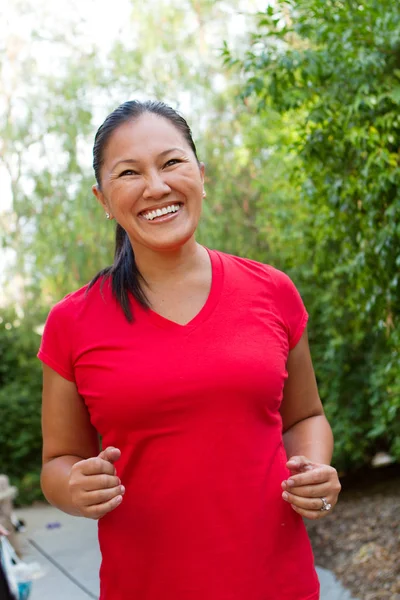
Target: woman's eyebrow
[[134, 160]]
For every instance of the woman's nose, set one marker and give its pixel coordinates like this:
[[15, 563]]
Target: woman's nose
[[155, 187]]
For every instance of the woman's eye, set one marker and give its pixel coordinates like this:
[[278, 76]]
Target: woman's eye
[[127, 172], [171, 162]]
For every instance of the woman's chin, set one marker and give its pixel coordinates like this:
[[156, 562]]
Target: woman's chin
[[167, 241]]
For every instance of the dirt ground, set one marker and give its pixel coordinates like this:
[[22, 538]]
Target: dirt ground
[[360, 541]]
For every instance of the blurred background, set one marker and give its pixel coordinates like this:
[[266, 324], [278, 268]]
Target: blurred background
[[295, 109]]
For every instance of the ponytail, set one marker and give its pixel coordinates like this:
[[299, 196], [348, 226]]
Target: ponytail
[[125, 276]]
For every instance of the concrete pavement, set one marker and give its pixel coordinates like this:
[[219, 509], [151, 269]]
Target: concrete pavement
[[67, 549]]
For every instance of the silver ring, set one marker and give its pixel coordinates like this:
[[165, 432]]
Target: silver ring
[[325, 505]]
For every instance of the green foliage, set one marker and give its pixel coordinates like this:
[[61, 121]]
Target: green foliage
[[20, 399], [302, 171], [55, 227], [333, 68]]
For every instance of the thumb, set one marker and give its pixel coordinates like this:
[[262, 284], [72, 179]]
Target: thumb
[[110, 454], [299, 464]]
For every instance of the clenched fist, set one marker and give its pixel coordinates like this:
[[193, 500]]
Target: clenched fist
[[312, 489], [94, 486]]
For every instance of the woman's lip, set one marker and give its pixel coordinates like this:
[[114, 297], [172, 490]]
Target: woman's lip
[[163, 218]]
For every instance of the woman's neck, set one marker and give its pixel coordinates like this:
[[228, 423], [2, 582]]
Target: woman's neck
[[165, 266]]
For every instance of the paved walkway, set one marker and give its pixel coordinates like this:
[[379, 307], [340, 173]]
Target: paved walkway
[[70, 557]]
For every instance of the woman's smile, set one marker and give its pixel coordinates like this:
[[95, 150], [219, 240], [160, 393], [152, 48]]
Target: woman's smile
[[162, 213]]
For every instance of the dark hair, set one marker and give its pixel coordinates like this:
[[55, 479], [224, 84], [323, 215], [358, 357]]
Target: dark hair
[[125, 276]]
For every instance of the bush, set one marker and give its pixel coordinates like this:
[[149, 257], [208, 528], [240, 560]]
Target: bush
[[332, 70], [20, 406]]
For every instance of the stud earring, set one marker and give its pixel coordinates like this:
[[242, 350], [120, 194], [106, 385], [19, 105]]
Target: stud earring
[[204, 193], [108, 216]]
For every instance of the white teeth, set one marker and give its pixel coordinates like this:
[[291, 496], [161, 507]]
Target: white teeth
[[159, 212]]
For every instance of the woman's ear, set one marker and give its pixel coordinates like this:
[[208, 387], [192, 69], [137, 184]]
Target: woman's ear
[[101, 200], [202, 173], [202, 168]]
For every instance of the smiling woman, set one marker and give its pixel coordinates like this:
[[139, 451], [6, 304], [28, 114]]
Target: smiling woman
[[194, 368], [147, 174]]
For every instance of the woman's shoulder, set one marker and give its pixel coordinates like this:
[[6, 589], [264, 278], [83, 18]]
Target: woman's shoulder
[[255, 268], [71, 300], [72, 303]]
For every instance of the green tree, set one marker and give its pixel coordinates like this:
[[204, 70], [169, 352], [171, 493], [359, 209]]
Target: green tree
[[333, 68], [54, 228], [20, 397]]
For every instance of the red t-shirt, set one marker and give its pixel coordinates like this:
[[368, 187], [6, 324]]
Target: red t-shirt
[[194, 410]]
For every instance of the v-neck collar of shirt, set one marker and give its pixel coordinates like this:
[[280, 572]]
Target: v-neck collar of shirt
[[209, 306]]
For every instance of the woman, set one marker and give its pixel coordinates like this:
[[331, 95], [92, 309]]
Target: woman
[[194, 367]]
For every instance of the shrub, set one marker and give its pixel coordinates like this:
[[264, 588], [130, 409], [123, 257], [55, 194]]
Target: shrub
[[20, 401]]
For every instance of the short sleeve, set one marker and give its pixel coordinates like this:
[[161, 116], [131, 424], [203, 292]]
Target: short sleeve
[[293, 311], [56, 346]]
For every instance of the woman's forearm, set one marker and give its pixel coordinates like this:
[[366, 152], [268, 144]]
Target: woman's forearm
[[55, 482], [311, 438]]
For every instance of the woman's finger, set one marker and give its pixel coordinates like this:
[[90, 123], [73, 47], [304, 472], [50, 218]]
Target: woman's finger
[[99, 482], [299, 464], [316, 476], [308, 504], [94, 466], [99, 510], [101, 496], [309, 491], [110, 454]]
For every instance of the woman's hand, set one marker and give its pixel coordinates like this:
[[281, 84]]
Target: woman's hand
[[312, 489], [94, 486]]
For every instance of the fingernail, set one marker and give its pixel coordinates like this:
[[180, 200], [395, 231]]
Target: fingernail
[[118, 500], [285, 496], [290, 482], [122, 489], [283, 485], [119, 481]]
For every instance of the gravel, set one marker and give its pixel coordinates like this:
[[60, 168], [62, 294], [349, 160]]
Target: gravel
[[360, 541]]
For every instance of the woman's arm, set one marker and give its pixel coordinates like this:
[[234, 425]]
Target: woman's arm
[[306, 430], [308, 439], [75, 477]]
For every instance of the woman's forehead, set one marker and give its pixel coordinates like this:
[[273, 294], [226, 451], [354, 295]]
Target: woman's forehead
[[147, 135]]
